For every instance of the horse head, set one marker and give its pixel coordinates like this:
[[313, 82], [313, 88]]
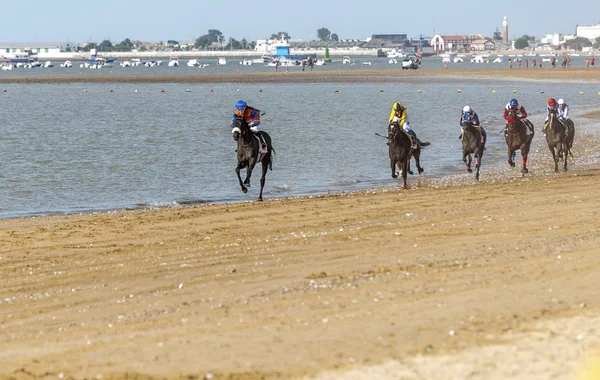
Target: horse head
[[240, 128], [514, 124]]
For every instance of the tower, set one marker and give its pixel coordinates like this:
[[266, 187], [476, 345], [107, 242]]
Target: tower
[[505, 35]]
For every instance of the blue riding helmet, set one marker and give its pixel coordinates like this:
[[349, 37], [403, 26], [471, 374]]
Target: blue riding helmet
[[240, 105], [514, 103]]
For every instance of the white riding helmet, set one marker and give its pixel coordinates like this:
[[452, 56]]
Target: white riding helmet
[[467, 109], [561, 102]]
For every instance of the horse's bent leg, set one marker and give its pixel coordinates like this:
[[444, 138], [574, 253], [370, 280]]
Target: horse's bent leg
[[477, 165], [237, 171], [554, 158], [249, 172], [265, 167], [566, 153], [467, 159], [418, 162]]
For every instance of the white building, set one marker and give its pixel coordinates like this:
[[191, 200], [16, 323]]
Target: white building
[[269, 46], [551, 39], [590, 32], [8, 49]]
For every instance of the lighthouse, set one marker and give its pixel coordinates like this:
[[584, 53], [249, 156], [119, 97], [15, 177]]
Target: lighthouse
[[505, 35]]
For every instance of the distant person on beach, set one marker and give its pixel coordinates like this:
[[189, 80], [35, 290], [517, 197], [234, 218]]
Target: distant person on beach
[[399, 117], [533, 63], [568, 61], [593, 61], [587, 63], [510, 63], [276, 66], [468, 114], [526, 63], [519, 62]]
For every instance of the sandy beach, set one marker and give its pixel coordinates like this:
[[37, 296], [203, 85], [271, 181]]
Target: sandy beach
[[493, 280], [341, 76]]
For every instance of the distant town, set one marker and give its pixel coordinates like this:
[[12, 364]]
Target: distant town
[[586, 39]]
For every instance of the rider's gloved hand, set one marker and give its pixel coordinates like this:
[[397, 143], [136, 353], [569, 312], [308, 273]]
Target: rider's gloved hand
[[254, 129]]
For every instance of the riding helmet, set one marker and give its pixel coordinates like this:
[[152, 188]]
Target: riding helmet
[[552, 102], [240, 105], [514, 103], [467, 109], [561, 102]]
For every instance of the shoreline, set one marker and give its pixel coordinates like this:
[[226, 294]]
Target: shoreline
[[337, 76]]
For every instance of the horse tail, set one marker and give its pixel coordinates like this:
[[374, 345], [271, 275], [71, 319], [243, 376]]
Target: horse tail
[[271, 158], [425, 143]]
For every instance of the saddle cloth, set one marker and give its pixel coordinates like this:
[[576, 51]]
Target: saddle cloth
[[262, 148]]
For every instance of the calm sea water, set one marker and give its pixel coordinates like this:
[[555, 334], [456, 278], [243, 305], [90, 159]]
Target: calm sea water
[[66, 150]]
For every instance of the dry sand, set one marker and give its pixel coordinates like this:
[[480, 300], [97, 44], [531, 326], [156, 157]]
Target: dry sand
[[338, 76], [494, 280]]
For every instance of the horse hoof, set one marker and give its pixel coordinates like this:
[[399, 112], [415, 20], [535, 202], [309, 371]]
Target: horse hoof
[[259, 199], [245, 189], [524, 171], [477, 177], [512, 164], [411, 172], [421, 170], [395, 175], [470, 170]]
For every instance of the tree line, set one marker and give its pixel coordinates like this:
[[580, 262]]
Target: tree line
[[577, 43], [209, 40]]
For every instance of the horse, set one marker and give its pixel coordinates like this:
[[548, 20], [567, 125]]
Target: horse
[[518, 139], [472, 144], [400, 151], [248, 153], [556, 137], [570, 137]]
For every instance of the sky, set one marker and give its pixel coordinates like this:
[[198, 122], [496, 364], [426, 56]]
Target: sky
[[185, 20]]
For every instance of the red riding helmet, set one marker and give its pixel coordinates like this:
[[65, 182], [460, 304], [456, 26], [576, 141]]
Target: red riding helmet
[[552, 102]]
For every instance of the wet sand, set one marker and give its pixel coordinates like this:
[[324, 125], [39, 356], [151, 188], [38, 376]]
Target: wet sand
[[341, 76]]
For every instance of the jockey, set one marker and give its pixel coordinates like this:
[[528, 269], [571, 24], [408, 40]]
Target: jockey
[[399, 116], [468, 114], [514, 105], [563, 110], [555, 107], [249, 115]]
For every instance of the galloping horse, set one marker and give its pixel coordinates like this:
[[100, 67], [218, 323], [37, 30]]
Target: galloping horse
[[400, 152], [416, 154], [472, 144], [518, 138], [556, 137], [248, 153]]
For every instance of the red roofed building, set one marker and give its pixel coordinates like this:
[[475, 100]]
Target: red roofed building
[[453, 43]]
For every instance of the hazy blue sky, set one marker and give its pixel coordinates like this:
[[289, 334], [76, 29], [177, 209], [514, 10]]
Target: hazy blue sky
[[152, 20]]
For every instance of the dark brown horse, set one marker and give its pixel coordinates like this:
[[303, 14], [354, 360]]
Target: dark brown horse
[[473, 144], [248, 154], [400, 151], [518, 137], [556, 137], [416, 154]]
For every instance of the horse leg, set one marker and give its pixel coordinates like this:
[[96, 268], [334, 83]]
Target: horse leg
[[237, 171], [511, 157], [265, 167], [555, 158], [405, 167], [249, 172], [524, 169], [417, 157], [477, 165], [566, 153], [393, 166], [467, 161]]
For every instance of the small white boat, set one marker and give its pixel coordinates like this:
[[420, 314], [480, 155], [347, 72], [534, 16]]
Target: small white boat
[[66, 64], [173, 62], [48, 64], [320, 62], [193, 63], [125, 64], [546, 60], [7, 66], [204, 65], [35, 64], [498, 60], [477, 59], [458, 60], [367, 63], [345, 60], [393, 61], [246, 62], [222, 61]]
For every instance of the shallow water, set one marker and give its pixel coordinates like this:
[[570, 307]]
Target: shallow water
[[66, 150]]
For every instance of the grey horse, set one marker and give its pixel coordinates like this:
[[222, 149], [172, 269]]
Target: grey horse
[[248, 153], [473, 144], [556, 137]]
